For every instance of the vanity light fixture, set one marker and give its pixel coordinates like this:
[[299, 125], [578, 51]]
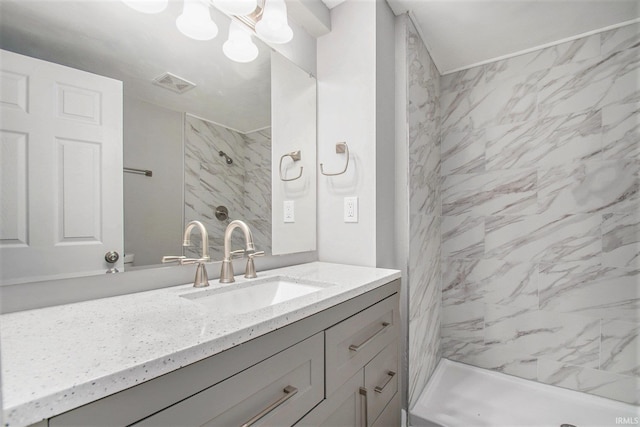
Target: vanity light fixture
[[239, 47], [266, 18], [273, 26], [195, 21]]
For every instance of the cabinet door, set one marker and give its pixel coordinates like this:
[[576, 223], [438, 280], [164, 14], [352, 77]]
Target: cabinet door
[[381, 380], [351, 344], [391, 416], [344, 408], [275, 392]]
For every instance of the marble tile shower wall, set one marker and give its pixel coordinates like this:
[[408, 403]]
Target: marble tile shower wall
[[424, 273], [541, 215], [244, 187]]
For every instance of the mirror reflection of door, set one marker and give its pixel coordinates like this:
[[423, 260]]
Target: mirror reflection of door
[[61, 163]]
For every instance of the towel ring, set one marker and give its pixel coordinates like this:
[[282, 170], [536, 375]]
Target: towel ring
[[295, 156], [341, 147]]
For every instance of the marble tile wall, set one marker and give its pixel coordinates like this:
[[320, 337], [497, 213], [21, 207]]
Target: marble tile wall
[[424, 270], [244, 187], [540, 181]]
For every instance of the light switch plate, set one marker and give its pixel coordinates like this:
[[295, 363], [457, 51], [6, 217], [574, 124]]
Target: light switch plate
[[289, 211], [351, 209]]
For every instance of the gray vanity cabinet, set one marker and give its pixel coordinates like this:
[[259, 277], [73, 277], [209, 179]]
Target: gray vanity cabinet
[[343, 408], [277, 392], [356, 403], [362, 370], [338, 367]]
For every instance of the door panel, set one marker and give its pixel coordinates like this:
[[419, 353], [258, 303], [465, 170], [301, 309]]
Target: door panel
[[61, 180]]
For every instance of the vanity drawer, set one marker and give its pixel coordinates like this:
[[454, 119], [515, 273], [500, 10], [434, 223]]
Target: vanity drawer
[[381, 380], [351, 344], [282, 389]]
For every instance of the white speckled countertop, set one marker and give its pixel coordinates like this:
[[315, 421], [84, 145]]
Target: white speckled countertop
[[58, 358]]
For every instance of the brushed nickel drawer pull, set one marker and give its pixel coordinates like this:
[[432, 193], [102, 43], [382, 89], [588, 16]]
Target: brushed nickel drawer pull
[[378, 389], [354, 347], [289, 391], [363, 392]]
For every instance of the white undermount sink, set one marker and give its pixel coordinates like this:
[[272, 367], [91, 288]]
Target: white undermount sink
[[254, 295]]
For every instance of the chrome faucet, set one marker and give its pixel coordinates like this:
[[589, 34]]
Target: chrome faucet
[[202, 279], [226, 272]]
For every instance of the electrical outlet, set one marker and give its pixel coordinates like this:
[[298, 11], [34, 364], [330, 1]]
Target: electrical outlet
[[289, 211], [351, 209]]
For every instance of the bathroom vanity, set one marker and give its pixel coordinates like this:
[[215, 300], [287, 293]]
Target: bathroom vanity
[[185, 356]]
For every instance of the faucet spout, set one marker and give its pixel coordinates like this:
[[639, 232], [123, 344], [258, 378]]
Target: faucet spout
[[226, 272], [205, 238], [248, 237]]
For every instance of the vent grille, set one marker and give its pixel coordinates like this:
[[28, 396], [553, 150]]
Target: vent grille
[[173, 83]]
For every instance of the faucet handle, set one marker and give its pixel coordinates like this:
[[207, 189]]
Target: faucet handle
[[237, 254], [187, 261], [255, 254], [171, 258]]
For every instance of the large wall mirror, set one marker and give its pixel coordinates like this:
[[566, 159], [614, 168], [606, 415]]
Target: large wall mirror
[[210, 131]]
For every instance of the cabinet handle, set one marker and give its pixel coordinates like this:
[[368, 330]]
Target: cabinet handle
[[354, 347], [363, 393], [289, 392], [378, 389]]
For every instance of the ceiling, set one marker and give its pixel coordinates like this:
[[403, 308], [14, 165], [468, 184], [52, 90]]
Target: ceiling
[[107, 38], [463, 33]]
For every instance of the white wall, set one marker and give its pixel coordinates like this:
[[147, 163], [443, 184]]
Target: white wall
[[294, 128], [347, 112], [153, 205], [356, 105]]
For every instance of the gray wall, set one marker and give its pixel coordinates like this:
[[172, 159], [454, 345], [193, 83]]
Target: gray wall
[[540, 225], [152, 205], [385, 137]]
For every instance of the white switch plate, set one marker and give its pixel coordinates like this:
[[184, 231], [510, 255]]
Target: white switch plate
[[289, 211], [351, 209]]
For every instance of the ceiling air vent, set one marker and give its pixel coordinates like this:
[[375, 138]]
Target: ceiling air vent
[[173, 83]]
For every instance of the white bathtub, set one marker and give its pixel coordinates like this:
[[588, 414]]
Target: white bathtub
[[459, 395]]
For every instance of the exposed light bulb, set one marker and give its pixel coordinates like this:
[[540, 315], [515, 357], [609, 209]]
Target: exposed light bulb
[[195, 21], [239, 47], [274, 26], [147, 6], [236, 7]]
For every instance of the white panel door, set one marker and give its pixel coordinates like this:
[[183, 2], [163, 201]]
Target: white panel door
[[60, 170]]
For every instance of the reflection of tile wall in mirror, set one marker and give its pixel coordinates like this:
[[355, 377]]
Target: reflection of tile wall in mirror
[[243, 186]]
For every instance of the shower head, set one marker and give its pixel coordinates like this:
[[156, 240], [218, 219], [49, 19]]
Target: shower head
[[228, 159]]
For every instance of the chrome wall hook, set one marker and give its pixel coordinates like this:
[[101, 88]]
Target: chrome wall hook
[[295, 156], [341, 147]]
